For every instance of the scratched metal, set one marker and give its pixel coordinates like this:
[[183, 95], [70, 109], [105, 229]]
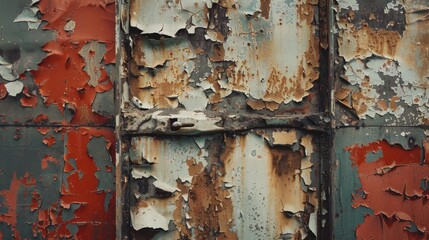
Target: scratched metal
[[56, 71], [383, 62], [260, 185], [247, 56]]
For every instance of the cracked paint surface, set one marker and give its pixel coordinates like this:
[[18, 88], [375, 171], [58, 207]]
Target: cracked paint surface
[[382, 190], [56, 62], [50, 66], [224, 186], [205, 55], [198, 73], [381, 82], [383, 58], [57, 191]]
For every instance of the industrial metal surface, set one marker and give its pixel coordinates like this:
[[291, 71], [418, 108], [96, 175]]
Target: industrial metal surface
[[214, 119], [57, 142], [380, 165], [222, 120]]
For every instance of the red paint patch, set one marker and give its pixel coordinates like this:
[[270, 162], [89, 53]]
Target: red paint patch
[[47, 159], [3, 91], [10, 202], [60, 77], [49, 141], [35, 202], [43, 130], [40, 119], [82, 185], [392, 189], [29, 100]]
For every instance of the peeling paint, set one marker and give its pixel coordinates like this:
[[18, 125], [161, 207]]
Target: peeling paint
[[219, 47], [386, 62], [55, 60], [232, 187]]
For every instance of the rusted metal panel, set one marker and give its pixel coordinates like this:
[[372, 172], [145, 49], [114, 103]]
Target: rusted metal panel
[[243, 57], [56, 71], [222, 116], [381, 81], [383, 70], [260, 185]]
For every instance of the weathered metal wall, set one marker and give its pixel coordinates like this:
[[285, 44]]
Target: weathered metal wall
[[382, 67], [57, 142], [223, 119]]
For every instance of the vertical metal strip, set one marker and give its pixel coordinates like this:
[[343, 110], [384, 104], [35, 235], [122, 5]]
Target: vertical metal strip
[[327, 104], [122, 163]]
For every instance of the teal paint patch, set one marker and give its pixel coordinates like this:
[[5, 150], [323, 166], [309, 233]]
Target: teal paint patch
[[69, 213], [23, 212], [97, 150], [19, 45], [73, 228], [424, 184], [107, 199], [374, 156], [22, 159]]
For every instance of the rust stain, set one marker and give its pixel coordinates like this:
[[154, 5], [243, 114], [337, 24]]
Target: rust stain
[[265, 8]]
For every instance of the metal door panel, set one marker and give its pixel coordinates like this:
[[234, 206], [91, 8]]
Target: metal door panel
[[259, 185], [54, 64]]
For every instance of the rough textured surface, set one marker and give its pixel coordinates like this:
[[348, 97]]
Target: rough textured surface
[[221, 119], [225, 55], [57, 174], [56, 69], [225, 186], [383, 70], [376, 167]]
